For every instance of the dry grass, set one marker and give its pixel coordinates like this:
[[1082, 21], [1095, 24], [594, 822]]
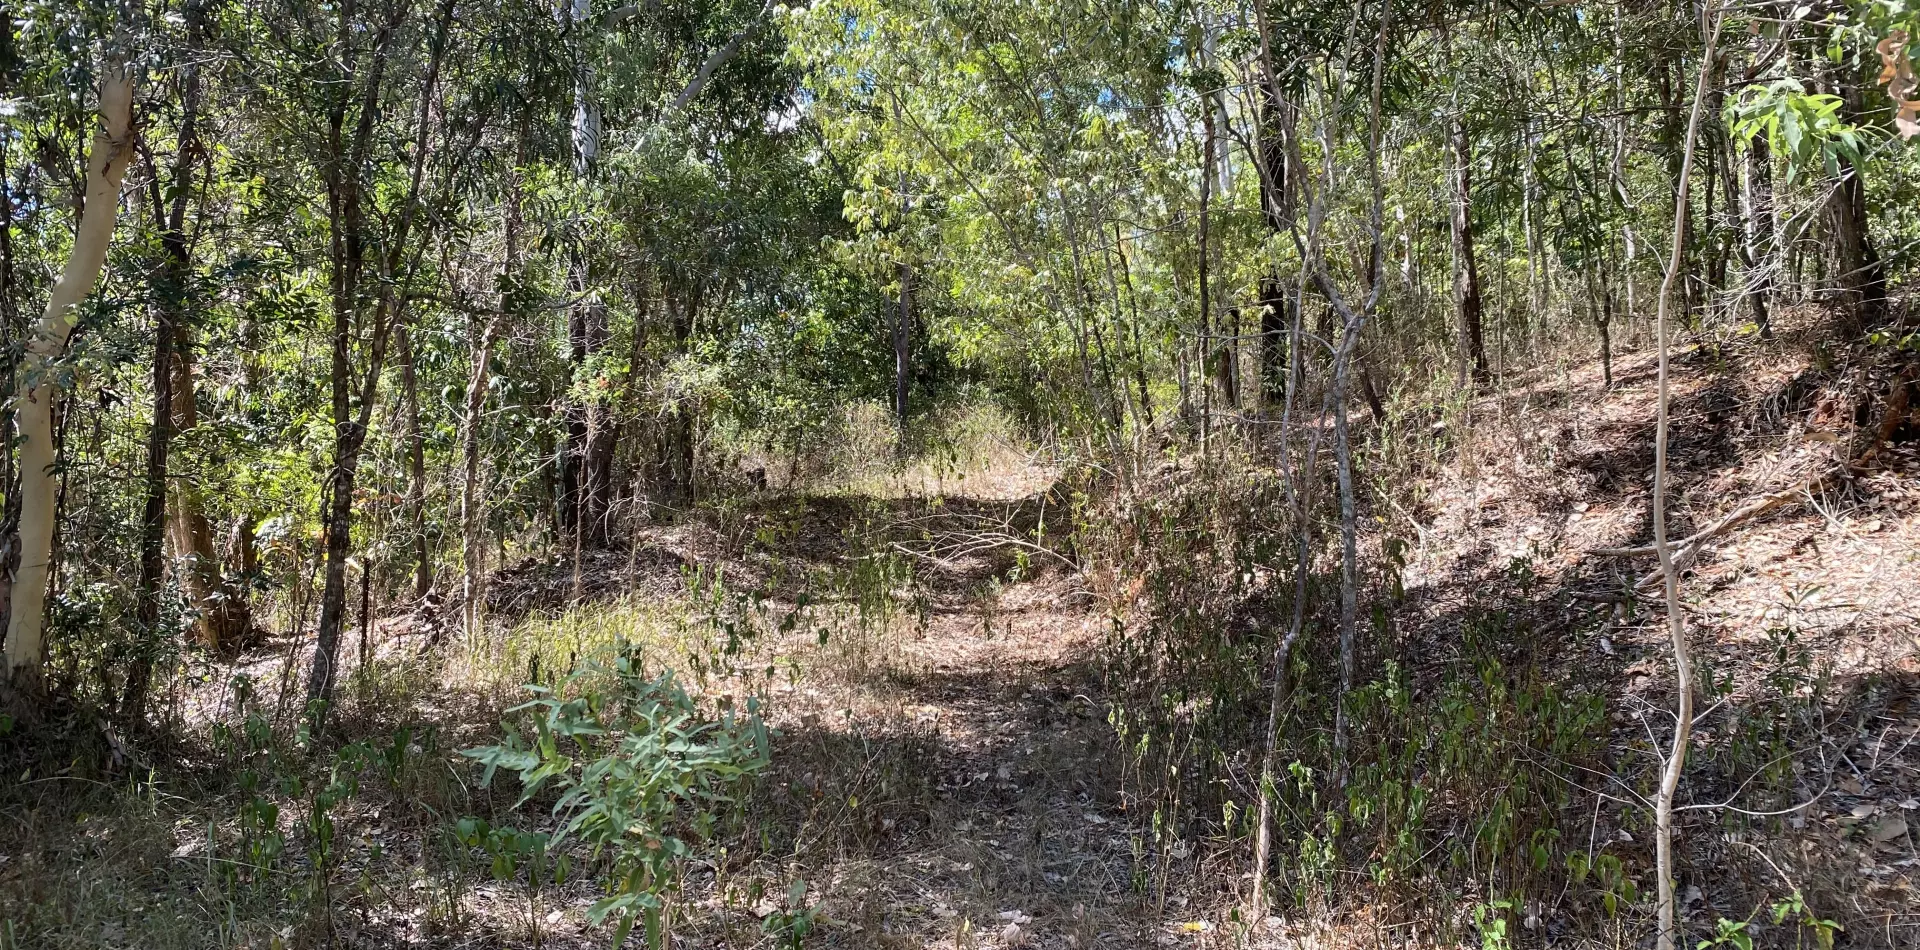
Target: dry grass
[[972, 451], [944, 773]]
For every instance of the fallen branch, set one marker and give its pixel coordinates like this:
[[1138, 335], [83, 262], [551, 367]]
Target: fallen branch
[[951, 554], [1895, 413], [1683, 558], [1733, 520]]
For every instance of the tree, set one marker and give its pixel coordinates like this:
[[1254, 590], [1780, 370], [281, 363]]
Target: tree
[[1669, 568], [357, 90], [1470, 352], [107, 160], [171, 294]]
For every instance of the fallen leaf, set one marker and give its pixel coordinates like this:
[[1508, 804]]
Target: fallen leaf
[[1887, 829]]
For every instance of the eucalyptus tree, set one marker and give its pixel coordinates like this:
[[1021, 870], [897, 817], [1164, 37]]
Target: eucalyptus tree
[[497, 284], [98, 188], [650, 80], [168, 201]]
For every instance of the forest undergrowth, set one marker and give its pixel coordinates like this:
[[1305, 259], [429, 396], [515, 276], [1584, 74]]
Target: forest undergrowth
[[1028, 711], [878, 473]]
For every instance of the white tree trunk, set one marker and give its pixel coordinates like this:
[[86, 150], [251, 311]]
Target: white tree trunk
[[106, 165]]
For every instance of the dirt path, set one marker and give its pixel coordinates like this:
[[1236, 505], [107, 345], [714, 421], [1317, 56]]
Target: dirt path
[[997, 822]]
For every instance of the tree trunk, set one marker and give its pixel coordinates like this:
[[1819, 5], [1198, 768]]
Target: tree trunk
[[1617, 170], [1133, 326], [1715, 241], [634, 390], [10, 333], [1859, 273], [1276, 131], [336, 517], [1471, 350], [1668, 936], [1351, 324], [1532, 201], [1349, 550], [416, 463], [170, 291], [346, 259], [1205, 290], [224, 614], [471, 549], [1603, 319], [1276, 315], [113, 146], [573, 410], [1760, 252], [482, 337], [1672, 129], [1226, 360], [903, 316], [243, 555], [677, 443], [597, 496], [587, 461], [346, 161], [1371, 392], [153, 520], [902, 340]]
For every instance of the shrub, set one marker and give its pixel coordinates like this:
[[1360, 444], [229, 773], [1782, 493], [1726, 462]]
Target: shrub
[[642, 775]]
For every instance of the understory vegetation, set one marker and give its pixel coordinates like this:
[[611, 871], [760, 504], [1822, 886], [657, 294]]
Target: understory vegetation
[[876, 473]]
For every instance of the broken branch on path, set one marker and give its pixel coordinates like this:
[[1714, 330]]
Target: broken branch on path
[[950, 555], [947, 547]]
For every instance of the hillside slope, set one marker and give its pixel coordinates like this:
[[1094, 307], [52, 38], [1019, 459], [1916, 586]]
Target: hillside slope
[[1804, 612]]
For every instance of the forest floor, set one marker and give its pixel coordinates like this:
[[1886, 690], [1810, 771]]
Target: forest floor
[[945, 774], [1807, 613]]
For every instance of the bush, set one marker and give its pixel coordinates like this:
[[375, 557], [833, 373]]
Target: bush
[[642, 776]]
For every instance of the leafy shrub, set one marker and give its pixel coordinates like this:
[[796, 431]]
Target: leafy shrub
[[643, 777]]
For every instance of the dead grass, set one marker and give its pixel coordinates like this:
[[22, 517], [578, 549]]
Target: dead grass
[[944, 772]]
